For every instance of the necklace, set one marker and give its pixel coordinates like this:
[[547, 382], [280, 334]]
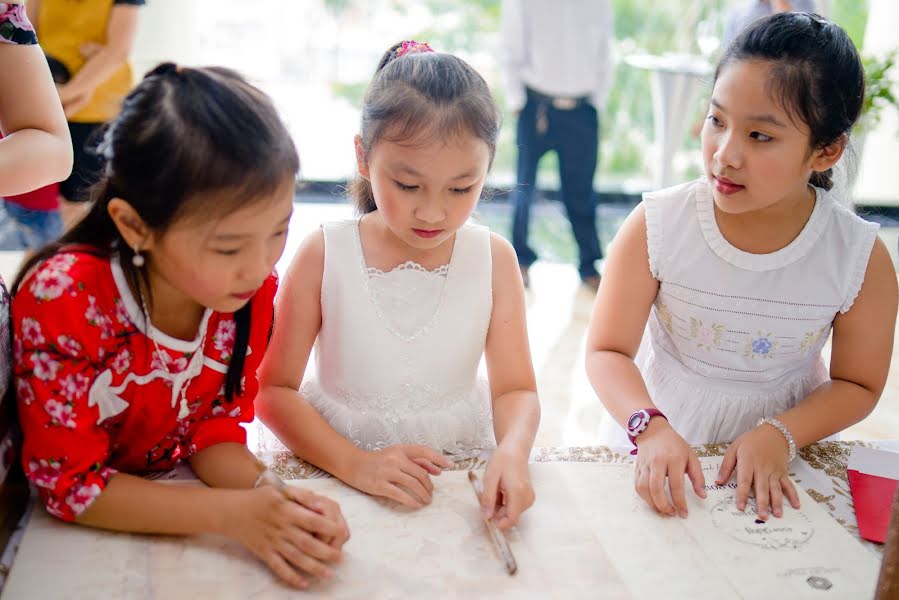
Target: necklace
[[183, 409]]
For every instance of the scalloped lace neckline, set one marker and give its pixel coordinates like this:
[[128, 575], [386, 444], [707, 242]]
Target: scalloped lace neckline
[[409, 265]]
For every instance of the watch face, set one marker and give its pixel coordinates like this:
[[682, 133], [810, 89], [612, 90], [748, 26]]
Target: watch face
[[635, 423]]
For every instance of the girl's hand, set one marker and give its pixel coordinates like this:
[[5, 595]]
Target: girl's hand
[[507, 488], [328, 509], [760, 457], [401, 473], [286, 531], [663, 453]]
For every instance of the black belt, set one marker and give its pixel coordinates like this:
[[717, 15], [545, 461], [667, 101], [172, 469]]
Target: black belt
[[559, 102]]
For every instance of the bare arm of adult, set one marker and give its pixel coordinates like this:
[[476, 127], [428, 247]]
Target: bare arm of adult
[[516, 408], [36, 149], [104, 60], [398, 472], [862, 347], [620, 312], [284, 530]]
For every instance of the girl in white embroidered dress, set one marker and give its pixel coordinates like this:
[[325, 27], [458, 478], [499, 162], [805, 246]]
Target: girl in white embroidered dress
[[403, 303], [743, 274]]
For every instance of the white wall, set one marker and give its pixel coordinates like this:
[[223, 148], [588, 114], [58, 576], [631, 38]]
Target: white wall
[[168, 31]]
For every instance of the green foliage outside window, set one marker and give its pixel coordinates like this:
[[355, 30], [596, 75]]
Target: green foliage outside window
[[641, 26]]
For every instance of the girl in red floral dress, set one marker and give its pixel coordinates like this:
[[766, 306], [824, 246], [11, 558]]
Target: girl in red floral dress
[[137, 336]]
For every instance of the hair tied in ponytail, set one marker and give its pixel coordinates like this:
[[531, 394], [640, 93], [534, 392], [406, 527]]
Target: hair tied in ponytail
[[164, 69]]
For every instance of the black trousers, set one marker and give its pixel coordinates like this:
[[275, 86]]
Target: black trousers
[[574, 135]]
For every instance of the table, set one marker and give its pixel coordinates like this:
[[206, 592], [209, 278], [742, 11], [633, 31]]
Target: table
[[820, 470], [569, 545], [676, 80]]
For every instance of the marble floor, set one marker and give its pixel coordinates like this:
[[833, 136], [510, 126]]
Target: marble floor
[[558, 313]]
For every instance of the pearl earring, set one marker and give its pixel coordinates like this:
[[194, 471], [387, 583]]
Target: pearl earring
[[138, 259]]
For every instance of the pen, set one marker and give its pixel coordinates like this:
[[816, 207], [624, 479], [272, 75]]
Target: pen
[[497, 536], [266, 477]]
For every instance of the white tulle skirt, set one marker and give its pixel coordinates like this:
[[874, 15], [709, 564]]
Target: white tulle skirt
[[457, 423]]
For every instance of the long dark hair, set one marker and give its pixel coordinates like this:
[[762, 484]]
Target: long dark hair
[[817, 75], [187, 142], [428, 93]]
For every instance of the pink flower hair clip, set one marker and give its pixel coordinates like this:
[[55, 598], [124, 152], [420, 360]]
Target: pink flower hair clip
[[412, 47]]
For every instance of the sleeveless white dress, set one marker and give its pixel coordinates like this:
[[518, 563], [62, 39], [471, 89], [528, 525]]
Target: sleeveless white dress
[[735, 336], [397, 356]]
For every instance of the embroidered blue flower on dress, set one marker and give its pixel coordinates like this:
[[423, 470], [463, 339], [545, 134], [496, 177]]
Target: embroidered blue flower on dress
[[761, 345]]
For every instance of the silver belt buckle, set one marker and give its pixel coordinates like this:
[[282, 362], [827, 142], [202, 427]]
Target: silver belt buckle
[[564, 103]]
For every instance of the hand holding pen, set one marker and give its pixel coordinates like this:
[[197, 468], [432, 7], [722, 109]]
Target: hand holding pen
[[321, 505], [507, 487], [296, 533], [496, 536]]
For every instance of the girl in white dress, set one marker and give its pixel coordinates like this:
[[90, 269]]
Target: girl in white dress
[[403, 302], [743, 274]]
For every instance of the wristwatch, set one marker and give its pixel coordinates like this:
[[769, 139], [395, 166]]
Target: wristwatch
[[639, 421]]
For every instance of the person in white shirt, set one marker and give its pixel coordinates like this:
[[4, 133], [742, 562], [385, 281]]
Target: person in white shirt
[[745, 13], [558, 69]]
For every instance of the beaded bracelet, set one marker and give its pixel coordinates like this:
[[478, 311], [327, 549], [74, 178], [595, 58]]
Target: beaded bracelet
[[783, 429]]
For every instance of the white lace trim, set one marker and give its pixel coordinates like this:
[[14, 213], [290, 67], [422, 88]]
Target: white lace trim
[[423, 329], [442, 270], [861, 266], [407, 298], [653, 233], [795, 250], [452, 422]]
